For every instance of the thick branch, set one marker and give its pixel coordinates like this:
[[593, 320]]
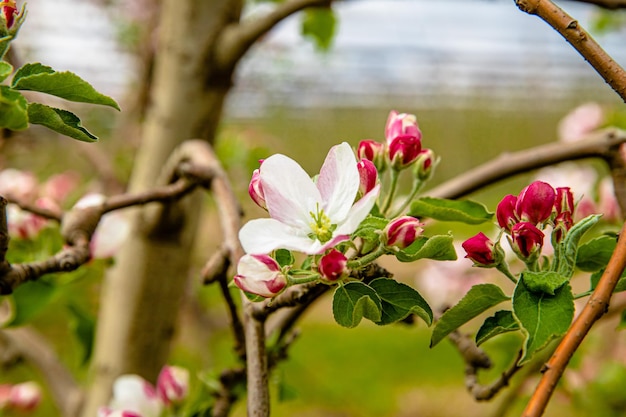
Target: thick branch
[[237, 39], [602, 144], [573, 33], [595, 308]]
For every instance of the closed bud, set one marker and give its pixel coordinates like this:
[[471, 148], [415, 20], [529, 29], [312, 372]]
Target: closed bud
[[372, 151], [403, 231], [535, 202], [425, 164], [368, 175], [480, 250], [9, 11], [333, 266], [255, 189], [564, 202], [25, 396], [505, 212], [173, 384], [401, 124], [260, 275], [562, 223], [403, 151], [526, 241]]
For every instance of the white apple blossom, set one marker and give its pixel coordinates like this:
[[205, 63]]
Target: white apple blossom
[[308, 216], [133, 394]]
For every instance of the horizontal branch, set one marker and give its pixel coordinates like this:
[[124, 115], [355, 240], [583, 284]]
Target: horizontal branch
[[602, 144]]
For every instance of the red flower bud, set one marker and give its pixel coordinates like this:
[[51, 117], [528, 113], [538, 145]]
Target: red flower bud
[[426, 161], [261, 275], [401, 124], [480, 249], [9, 11], [505, 212], [564, 202], [403, 231], [255, 189], [333, 265], [403, 151], [562, 223], [372, 151], [526, 241], [535, 202], [367, 174]]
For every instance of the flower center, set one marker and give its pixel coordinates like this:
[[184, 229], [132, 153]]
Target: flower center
[[322, 228]]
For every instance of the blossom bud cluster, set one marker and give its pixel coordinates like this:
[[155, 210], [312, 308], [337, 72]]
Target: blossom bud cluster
[[402, 147]]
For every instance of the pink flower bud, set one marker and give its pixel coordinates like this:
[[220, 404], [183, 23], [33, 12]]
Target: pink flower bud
[[564, 202], [505, 212], [526, 241], [401, 124], [255, 189], [333, 266], [173, 384], [403, 231], [562, 223], [260, 275], [480, 250], [535, 202], [9, 11], [424, 165], [372, 151], [368, 175], [25, 396], [403, 151]]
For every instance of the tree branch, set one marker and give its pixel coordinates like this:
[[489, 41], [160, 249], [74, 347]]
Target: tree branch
[[237, 39], [602, 144], [573, 33]]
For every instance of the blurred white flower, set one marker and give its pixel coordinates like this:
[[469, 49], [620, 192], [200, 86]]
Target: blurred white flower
[[580, 122]]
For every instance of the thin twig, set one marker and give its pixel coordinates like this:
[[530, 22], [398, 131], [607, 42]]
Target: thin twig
[[578, 37], [595, 308]]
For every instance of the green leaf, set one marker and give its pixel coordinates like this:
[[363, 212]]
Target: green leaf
[[477, 300], [353, 301], [67, 85], [30, 299], [253, 297], [502, 322], [284, 257], [319, 24], [61, 121], [543, 281], [84, 326], [5, 70], [370, 230], [465, 211], [399, 300], [621, 283], [542, 317], [13, 113], [439, 248], [565, 252], [595, 254]]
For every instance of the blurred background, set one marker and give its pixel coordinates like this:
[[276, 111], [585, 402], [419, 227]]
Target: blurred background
[[482, 77]]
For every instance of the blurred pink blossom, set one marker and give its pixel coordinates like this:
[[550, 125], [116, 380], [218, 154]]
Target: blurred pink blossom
[[113, 229], [25, 396], [580, 122], [18, 185]]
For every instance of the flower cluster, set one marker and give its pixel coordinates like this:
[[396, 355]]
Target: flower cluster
[[524, 218], [25, 396], [319, 216], [133, 396]]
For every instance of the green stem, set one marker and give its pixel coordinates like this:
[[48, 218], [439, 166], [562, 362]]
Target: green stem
[[302, 280], [417, 186], [583, 294], [366, 259], [392, 190], [504, 268]]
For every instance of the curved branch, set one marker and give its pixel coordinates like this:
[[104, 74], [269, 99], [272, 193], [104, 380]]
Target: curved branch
[[602, 144], [595, 308], [237, 39], [573, 33]]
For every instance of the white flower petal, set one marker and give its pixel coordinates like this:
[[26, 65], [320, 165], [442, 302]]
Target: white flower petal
[[133, 393], [261, 236], [290, 193], [338, 182], [358, 212]]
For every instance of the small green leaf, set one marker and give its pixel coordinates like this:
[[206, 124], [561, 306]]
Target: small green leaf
[[543, 281], [13, 113], [284, 257], [353, 301], [565, 252], [542, 317], [84, 326], [5, 70], [30, 299], [61, 121], [399, 300], [465, 211], [370, 230], [477, 300], [502, 322], [67, 85], [439, 248], [253, 297], [319, 24], [595, 254]]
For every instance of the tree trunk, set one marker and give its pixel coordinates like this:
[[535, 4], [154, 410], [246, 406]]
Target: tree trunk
[[143, 292]]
